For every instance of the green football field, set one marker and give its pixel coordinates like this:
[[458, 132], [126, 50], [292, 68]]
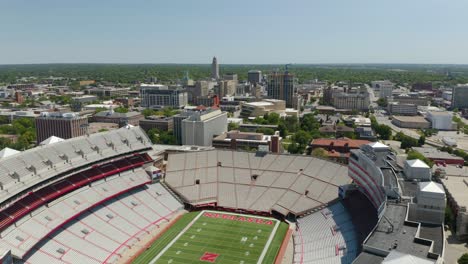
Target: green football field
[[218, 237]]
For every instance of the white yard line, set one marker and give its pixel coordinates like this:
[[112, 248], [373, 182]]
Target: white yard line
[[265, 249], [267, 245], [176, 238]]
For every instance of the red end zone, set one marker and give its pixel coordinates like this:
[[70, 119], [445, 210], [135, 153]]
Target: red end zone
[[238, 218]]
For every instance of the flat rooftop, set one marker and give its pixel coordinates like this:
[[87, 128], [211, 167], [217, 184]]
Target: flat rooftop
[[402, 235], [433, 153], [412, 119], [457, 187]]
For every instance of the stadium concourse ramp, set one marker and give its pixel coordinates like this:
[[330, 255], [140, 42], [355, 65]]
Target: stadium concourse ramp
[[255, 182]]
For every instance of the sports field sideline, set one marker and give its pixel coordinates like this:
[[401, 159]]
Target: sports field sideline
[[218, 237]]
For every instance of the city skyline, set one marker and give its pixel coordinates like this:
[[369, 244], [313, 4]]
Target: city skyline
[[259, 32]]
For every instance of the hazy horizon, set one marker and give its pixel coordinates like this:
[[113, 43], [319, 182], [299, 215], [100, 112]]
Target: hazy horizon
[[243, 32]]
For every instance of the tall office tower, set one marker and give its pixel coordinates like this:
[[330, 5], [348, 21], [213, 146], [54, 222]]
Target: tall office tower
[[63, 125], [281, 86], [254, 76], [460, 96], [215, 69]]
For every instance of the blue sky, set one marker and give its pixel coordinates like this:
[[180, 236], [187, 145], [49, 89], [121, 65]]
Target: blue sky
[[241, 31]]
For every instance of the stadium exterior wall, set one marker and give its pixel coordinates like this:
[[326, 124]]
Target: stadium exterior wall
[[369, 177]]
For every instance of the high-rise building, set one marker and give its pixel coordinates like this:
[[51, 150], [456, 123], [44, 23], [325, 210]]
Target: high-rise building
[[199, 127], [215, 69], [157, 95], [226, 88], [62, 125], [281, 86], [254, 76], [460, 96], [384, 88]]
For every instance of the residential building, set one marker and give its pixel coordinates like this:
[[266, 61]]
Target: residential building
[[366, 133], [384, 88], [254, 76], [412, 99], [338, 149], [63, 125], [336, 131], [281, 86], [441, 120], [358, 100], [214, 69], [416, 122], [200, 127], [161, 123], [158, 96], [247, 140], [122, 119], [107, 91], [460, 96], [396, 108]]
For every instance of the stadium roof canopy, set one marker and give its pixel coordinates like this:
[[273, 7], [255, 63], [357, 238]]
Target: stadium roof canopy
[[255, 182]]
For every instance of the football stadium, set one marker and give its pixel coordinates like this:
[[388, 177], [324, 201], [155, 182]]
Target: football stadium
[[113, 197]]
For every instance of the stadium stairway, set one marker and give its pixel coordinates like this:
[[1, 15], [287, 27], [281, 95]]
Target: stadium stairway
[[169, 190]]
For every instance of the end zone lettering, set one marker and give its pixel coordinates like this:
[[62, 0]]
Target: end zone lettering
[[238, 218]]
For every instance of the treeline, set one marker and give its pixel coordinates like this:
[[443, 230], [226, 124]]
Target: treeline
[[169, 73]]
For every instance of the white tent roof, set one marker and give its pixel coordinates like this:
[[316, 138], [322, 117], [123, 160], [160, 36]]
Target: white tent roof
[[396, 257], [431, 187], [51, 140], [417, 163], [8, 152], [378, 145]]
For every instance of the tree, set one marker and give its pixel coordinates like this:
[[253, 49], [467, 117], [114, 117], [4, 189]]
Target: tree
[[233, 126], [294, 148], [148, 112], [121, 110], [302, 138], [382, 102], [463, 259], [412, 154], [422, 140], [265, 130], [384, 131], [273, 118], [319, 153]]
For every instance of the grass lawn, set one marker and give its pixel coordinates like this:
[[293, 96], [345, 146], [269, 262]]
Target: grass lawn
[[218, 237]]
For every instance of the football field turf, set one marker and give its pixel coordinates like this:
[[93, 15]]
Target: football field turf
[[218, 237]]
